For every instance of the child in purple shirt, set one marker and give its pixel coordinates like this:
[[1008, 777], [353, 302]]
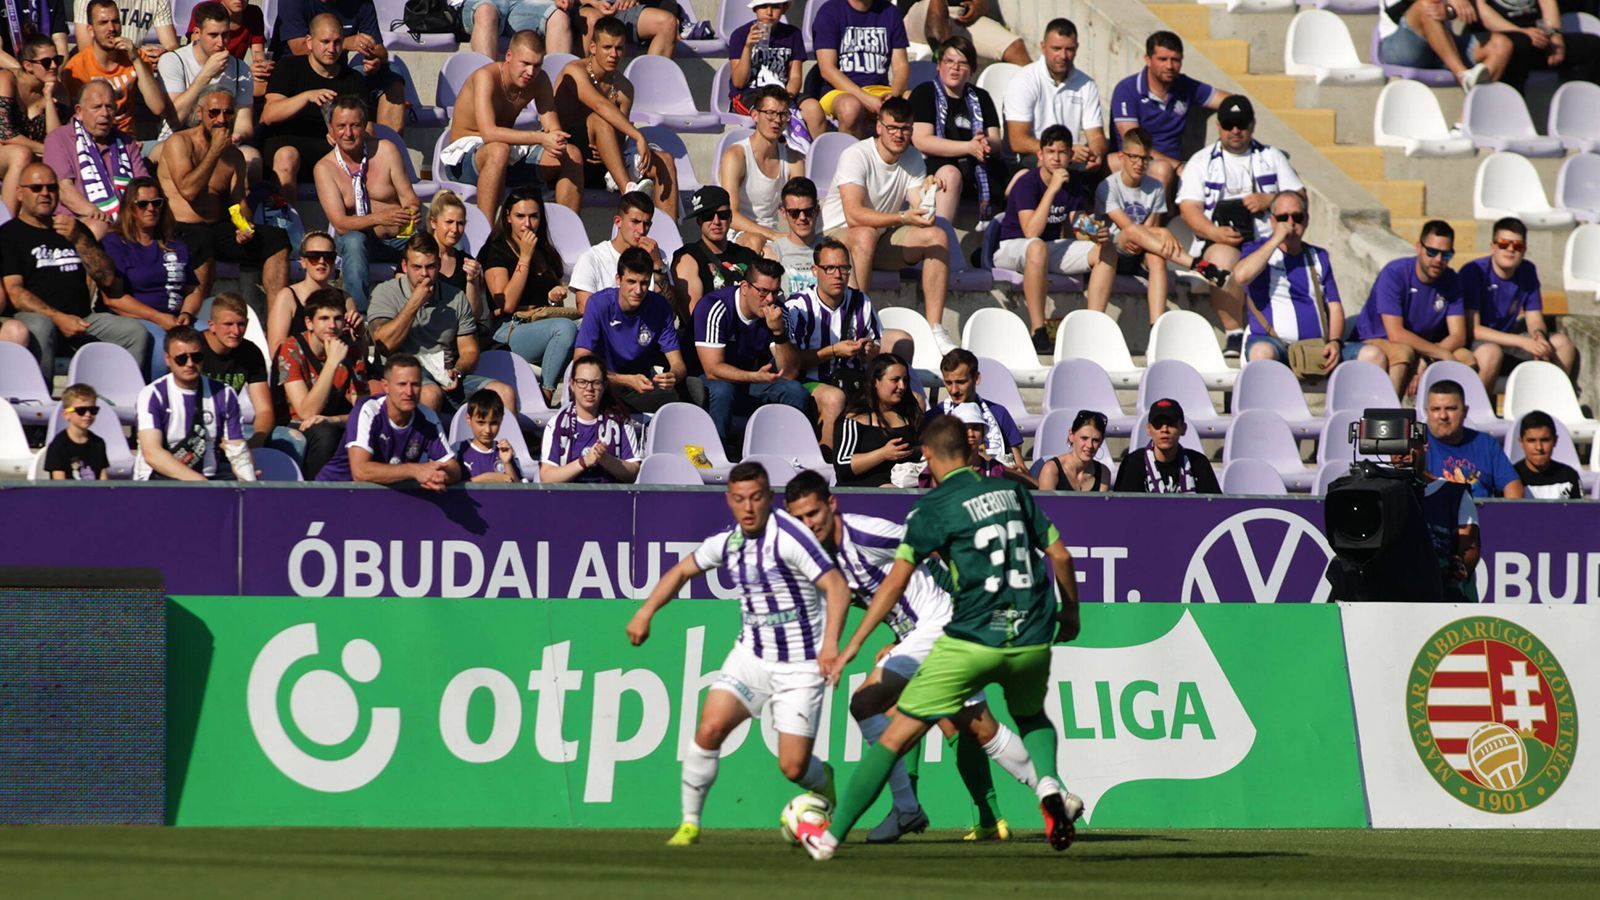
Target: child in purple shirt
[[485, 457]]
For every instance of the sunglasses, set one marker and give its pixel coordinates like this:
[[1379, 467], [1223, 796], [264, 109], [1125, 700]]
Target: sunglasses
[[723, 215], [798, 212], [318, 256], [41, 188], [1298, 218], [188, 359], [1445, 255], [157, 203], [1504, 244], [1233, 125], [88, 410], [47, 62], [1087, 416]]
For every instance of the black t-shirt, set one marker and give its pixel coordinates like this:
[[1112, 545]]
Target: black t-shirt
[[294, 75], [1557, 482], [48, 263], [1131, 476], [536, 293], [957, 120], [717, 272], [81, 462], [243, 366], [31, 12]]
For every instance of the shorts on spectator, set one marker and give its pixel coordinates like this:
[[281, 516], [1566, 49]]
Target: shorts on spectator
[[469, 384], [1066, 257], [890, 255], [1513, 355], [630, 18], [1132, 264], [1280, 349], [216, 241], [515, 15], [794, 688], [989, 37], [880, 91], [465, 170], [311, 149], [1407, 48]]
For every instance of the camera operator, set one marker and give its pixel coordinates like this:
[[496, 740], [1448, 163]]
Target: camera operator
[[1451, 518]]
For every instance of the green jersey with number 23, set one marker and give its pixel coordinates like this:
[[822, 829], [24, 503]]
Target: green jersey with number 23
[[992, 536]]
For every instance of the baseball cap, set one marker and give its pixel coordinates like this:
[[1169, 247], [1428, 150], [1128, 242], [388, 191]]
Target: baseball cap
[[1236, 110], [1166, 411], [969, 414], [706, 201]]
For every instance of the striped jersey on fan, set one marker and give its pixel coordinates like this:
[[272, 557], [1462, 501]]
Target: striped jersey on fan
[[775, 573]]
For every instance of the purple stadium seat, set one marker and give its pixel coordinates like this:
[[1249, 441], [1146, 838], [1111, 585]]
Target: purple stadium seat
[[999, 387], [922, 72], [662, 97], [1565, 451], [714, 46], [1263, 434], [731, 15], [1179, 380], [113, 373], [679, 426], [779, 469], [672, 142], [23, 386], [668, 468], [391, 21], [1252, 478], [554, 63], [722, 96], [1575, 116], [1076, 384], [510, 430], [733, 136], [118, 455], [425, 189], [1141, 437], [478, 228], [1333, 444], [1327, 473], [509, 368], [276, 465], [425, 115], [567, 233], [1344, 7], [467, 192], [1359, 385], [1578, 183], [1496, 117], [785, 432], [455, 72], [1055, 437], [1480, 409], [806, 18], [1429, 77], [1268, 384], [824, 158]]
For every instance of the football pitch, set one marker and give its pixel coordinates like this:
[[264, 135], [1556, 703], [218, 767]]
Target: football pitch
[[237, 863]]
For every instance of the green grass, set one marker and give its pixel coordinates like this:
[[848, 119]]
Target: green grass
[[462, 864]]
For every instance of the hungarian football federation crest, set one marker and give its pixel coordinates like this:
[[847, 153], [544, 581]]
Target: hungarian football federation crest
[[1492, 715]]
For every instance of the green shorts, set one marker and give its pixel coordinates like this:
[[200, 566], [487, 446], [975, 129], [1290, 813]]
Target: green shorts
[[957, 669]]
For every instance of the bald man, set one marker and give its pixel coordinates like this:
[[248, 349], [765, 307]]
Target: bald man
[[92, 192]]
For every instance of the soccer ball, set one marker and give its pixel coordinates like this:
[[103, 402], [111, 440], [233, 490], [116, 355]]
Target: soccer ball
[[808, 807]]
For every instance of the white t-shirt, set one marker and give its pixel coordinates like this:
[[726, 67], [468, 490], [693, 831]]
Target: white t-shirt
[[1138, 202], [1242, 175], [596, 269], [886, 184], [179, 69], [1034, 97], [140, 18]]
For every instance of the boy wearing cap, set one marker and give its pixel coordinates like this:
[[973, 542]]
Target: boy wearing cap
[[713, 262], [959, 369], [1164, 466], [766, 51]]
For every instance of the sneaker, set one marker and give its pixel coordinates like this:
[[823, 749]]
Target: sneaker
[[1000, 831], [688, 834], [942, 341], [1233, 345], [828, 791], [1058, 819], [643, 186], [1470, 78], [897, 825], [814, 838], [1212, 272], [1042, 343]]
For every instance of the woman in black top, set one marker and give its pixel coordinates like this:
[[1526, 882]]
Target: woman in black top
[[880, 426], [447, 222], [286, 312], [523, 271], [1077, 469]]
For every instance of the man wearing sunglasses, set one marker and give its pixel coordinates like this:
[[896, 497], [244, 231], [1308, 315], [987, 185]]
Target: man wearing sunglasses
[[1415, 311], [1505, 309], [188, 427], [94, 161], [742, 339], [206, 61], [713, 262], [794, 248], [1223, 197]]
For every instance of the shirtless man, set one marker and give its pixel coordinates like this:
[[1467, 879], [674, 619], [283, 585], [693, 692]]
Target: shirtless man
[[592, 103], [203, 175], [374, 222], [486, 154]]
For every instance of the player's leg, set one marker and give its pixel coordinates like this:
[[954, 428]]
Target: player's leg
[[1025, 679], [723, 712], [870, 707], [796, 710], [983, 739]]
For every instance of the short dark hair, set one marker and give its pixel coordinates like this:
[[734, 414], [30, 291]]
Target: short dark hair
[[1063, 27], [896, 108], [610, 26], [959, 43], [1138, 135], [88, 11], [1056, 134], [183, 334], [957, 358], [807, 484], [1447, 387], [323, 298], [401, 361], [1536, 419], [748, 471], [828, 244], [1511, 224], [768, 92], [1165, 40], [209, 11], [800, 186], [635, 260], [771, 268], [423, 243], [636, 200], [1439, 227], [945, 437], [485, 403]]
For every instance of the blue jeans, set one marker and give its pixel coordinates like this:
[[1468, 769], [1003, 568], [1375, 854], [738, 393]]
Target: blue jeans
[[515, 15], [357, 250], [1280, 350], [732, 402], [546, 343], [1407, 48], [290, 440]]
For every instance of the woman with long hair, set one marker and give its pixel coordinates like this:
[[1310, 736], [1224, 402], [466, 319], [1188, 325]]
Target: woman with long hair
[[1077, 469], [523, 272], [156, 281], [879, 427], [591, 439], [33, 103], [447, 222], [285, 316]]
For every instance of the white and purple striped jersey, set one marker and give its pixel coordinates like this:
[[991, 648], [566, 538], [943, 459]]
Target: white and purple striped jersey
[[569, 435], [814, 325], [867, 547], [775, 573], [192, 423]]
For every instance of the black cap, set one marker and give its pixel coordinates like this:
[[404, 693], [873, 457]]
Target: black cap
[[1166, 411], [706, 201], [1237, 109]]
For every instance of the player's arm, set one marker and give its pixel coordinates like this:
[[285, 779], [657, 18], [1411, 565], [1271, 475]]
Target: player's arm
[[889, 592], [1067, 581], [837, 591], [665, 589]]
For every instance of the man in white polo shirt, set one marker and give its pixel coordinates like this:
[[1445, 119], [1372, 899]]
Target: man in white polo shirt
[[1053, 91]]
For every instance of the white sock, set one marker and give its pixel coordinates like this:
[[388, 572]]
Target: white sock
[[815, 777], [1048, 786], [1012, 756], [699, 771]]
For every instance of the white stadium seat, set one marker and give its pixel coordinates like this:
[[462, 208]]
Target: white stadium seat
[[1319, 46], [1507, 184], [1003, 336], [1496, 118], [1408, 116], [1088, 334], [1184, 335], [1580, 261]]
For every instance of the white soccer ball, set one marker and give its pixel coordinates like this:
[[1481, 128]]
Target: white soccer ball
[[808, 807]]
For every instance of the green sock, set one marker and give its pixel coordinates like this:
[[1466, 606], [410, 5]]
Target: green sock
[[865, 785], [973, 764], [1039, 736], [913, 762]]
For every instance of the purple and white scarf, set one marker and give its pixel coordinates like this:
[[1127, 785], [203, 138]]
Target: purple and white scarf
[[101, 187], [941, 111]]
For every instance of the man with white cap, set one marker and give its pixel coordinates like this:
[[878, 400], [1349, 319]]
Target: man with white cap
[[1165, 466]]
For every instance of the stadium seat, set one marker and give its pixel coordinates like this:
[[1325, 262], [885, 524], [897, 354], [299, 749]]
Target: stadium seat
[[1578, 183], [1344, 7], [1263, 434], [668, 468], [1507, 184], [1359, 385], [1408, 116], [1542, 385], [1075, 384], [713, 46], [1000, 335], [996, 77], [1496, 118], [510, 430], [114, 374], [785, 432], [999, 387], [425, 189], [1252, 478], [807, 16], [1566, 450], [722, 96], [1089, 334], [729, 138], [662, 96], [454, 74], [1327, 474], [925, 357], [664, 228], [418, 113], [1178, 380], [1333, 443], [467, 192], [1580, 261], [567, 233], [922, 72], [276, 465], [1575, 116], [22, 386], [554, 63], [1480, 408], [779, 469], [683, 164], [680, 426], [1318, 45], [476, 236], [36, 468], [392, 22], [1141, 437], [1429, 77], [731, 16], [1055, 282], [1260, 6], [1184, 335], [1054, 437], [508, 368], [824, 157], [16, 457], [1268, 384]]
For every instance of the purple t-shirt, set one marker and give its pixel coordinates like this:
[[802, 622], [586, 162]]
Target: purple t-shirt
[[1500, 302], [568, 436], [157, 277], [370, 429], [1026, 194], [745, 344], [865, 40], [1424, 308], [769, 64], [475, 462], [628, 343], [1131, 101]]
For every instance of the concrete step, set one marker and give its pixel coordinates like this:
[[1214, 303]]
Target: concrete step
[[1191, 21], [1315, 125], [1360, 163], [1265, 32], [1231, 55], [1271, 91], [1402, 197], [1353, 107], [1451, 180]]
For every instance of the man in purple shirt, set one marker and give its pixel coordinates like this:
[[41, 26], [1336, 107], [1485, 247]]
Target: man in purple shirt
[[1159, 99], [92, 185], [1505, 310], [392, 439], [631, 329], [742, 339], [860, 47], [1415, 312]]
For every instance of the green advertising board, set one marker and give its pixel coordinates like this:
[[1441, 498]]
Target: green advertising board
[[479, 712]]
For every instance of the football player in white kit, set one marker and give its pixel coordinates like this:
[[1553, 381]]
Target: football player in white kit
[[788, 639], [863, 547]]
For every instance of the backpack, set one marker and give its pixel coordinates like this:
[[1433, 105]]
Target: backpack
[[429, 17]]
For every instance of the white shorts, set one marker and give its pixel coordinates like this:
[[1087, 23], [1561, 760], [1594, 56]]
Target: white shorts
[[907, 656], [1065, 257], [793, 688]]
